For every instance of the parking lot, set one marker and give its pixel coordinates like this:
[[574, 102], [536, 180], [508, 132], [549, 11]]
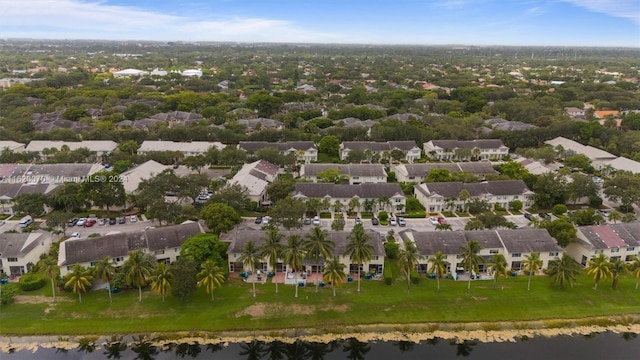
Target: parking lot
[[105, 229]]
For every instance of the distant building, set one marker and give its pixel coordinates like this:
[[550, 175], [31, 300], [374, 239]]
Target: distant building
[[12, 146], [354, 173], [419, 172], [437, 197], [409, 148], [129, 73], [306, 151], [344, 193], [597, 156], [99, 147], [616, 241], [187, 148], [255, 177], [21, 251], [484, 149]]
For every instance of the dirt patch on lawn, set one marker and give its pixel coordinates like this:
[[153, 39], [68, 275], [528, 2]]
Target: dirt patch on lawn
[[479, 298], [261, 310], [40, 299]]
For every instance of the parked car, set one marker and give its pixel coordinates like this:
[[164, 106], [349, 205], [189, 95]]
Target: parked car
[[266, 220], [433, 220], [442, 220], [392, 221], [316, 220], [528, 216], [81, 222], [133, 218], [258, 220], [358, 221], [102, 222], [544, 215], [75, 235], [90, 223], [1, 222], [122, 220], [374, 221], [307, 221], [401, 221], [604, 213], [112, 221], [73, 222]]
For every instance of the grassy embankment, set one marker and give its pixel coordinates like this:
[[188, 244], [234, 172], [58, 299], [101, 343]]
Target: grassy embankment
[[234, 307]]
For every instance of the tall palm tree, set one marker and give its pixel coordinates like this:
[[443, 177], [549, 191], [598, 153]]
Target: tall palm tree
[[79, 280], [161, 279], [294, 256], [51, 271], [532, 263], [598, 266], [334, 273], [408, 258], [563, 270], [250, 258], [105, 271], [464, 196], [271, 250], [137, 270], [439, 265], [318, 246], [358, 248], [634, 267], [444, 227], [354, 204], [471, 260], [498, 268], [617, 268], [210, 276]]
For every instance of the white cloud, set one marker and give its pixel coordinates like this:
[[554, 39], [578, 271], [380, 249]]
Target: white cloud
[[628, 9], [98, 20]]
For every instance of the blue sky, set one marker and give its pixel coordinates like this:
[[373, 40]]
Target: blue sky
[[424, 22]]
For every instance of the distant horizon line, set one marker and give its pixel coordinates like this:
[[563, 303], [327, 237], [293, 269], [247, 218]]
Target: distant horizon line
[[319, 43]]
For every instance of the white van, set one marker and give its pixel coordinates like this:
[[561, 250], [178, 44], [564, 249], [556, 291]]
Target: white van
[[26, 221]]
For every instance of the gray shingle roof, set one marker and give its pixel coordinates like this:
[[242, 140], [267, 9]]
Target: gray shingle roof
[[452, 189], [476, 168], [348, 169], [528, 240], [480, 143], [254, 146], [363, 191], [430, 242]]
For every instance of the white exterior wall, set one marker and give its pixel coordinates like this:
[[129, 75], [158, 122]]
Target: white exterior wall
[[32, 257], [581, 254]]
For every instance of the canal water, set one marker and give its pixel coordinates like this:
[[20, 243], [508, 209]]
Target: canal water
[[596, 346]]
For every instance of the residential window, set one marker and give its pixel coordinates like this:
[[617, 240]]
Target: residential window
[[553, 253], [69, 268], [629, 258], [12, 259], [398, 200], [516, 255], [356, 177], [375, 257], [515, 197], [92, 264], [615, 258], [615, 250], [631, 248], [118, 259], [159, 252], [493, 251], [177, 249]]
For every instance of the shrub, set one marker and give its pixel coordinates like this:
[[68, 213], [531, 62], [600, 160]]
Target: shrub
[[559, 209], [414, 205], [31, 282], [391, 249], [595, 201], [415, 279], [625, 208], [9, 292], [383, 216], [515, 205]]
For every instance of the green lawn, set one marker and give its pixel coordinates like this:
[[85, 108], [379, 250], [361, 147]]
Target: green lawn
[[235, 309]]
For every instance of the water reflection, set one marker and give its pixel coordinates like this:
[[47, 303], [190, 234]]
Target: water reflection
[[620, 346]]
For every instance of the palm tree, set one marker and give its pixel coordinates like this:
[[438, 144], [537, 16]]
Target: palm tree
[[444, 227], [78, 280], [337, 206], [408, 258], [250, 258], [615, 216], [358, 248], [106, 272], [471, 260], [439, 265], [51, 271], [384, 203], [629, 217], [334, 273], [318, 246], [532, 263], [598, 266], [369, 205], [464, 196], [325, 204], [161, 280], [137, 270], [210, 276], [617, 268], [354, 204], [563, 270], [634, 267], [272, 251], [498, 268], [294, 256]]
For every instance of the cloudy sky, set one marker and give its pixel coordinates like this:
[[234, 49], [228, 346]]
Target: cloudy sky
[[469, 22]]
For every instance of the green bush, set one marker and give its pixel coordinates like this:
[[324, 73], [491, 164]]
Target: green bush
[[9, 292], [31, 282], [414, 205], [415, 279], [383, 216], [391, 249], [559, 209]]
